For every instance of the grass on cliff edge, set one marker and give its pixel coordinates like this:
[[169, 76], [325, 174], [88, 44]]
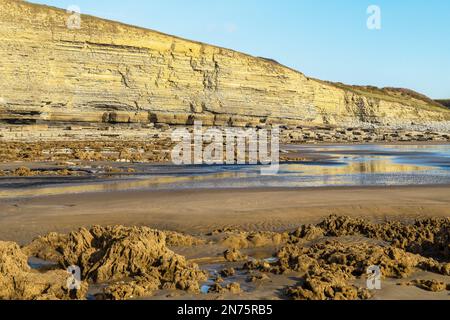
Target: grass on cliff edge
[[396, 95], [445, 103]]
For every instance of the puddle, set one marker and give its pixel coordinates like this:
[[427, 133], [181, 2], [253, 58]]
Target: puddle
[[38, 264], [271, 260]]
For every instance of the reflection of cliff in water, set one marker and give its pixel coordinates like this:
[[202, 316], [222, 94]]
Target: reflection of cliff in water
[[373, 165]]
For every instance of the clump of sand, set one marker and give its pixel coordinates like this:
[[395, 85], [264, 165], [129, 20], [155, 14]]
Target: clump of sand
[[233, 288], [19, 282], [427, 237], [234, 255], [430, 285], [328, 267], [245, 240], [326, 258], [112, 254]]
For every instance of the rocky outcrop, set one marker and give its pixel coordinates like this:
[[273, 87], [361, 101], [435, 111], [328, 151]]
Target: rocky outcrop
[[19, 282], [107, 73], [329, 260], [427, 237], [113, 254]]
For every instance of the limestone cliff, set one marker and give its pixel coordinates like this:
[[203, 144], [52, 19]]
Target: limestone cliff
[[108, 72]]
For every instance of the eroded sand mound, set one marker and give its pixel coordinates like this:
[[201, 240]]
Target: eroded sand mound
[[19, 282], [329, 267], [328, 259], [244, 240], [427, 237], [111, 254]]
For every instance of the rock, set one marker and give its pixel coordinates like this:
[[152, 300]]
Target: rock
[[108, 149], [323, 284], [176, 239], [329, 266], [306, 232], [47, 248], [234, 255], [112, 254], [445, 269], [233, 288], [258, 278], [22, 172], [244, 240], [260, 265], [139, 287], [19, 282], [430, 285], [227, 272], [427, 237], [218, 279], [355, 258]]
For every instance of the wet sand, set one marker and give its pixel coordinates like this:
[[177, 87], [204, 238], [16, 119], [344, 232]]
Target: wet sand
[[200, 211]]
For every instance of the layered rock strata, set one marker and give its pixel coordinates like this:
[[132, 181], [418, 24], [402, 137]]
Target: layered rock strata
[[107, 73]]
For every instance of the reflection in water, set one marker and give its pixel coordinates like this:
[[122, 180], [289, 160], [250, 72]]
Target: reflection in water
[[357, 165]]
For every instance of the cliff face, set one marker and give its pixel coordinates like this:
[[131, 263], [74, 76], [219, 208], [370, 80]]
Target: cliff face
[[114, 73]]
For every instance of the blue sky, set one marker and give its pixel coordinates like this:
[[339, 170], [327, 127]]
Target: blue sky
[[325, 39]]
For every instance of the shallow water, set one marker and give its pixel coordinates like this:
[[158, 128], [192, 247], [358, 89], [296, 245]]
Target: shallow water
[[335, 165]]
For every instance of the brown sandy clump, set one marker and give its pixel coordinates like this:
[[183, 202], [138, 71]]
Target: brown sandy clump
[[327, 258], [233, 288], [306, 233], [429, 285], [327, 284], [328, 267], [19, 282], [245, 240], [49, 247], [257, 277], [112, 254], [138, 287], [229, 272], [234, 255], [176, 239], [354, 257], [427, 237]]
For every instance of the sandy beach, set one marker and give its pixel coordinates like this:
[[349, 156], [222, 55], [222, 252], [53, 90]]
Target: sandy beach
[[233, 233], [199, 211]]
